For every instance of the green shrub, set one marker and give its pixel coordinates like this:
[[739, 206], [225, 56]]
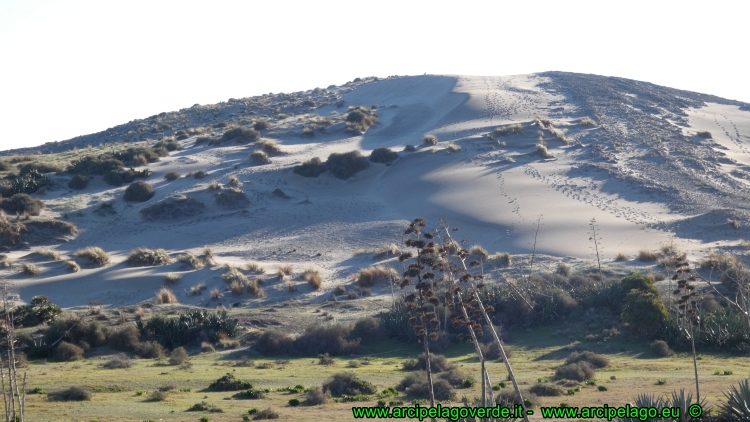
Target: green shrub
[[345, 165], [644, 312], [293, 402], [138, 192], [229, 383], [639, 282], [78, 182], [311, 168], [204, 407], [383, 155], [39, 311]]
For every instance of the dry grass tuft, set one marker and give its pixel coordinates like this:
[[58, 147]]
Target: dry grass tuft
[[237, 288], [254, 289], [255, 268], [478, 250], [586, 121], [260, 158], [172, 278], [72, 266], [733, 223], [430, 140], [193, 261], [30, 269], [283, 270], [453, 147], [234, 181], [501, 258], [387, 250], [165, 296], [367, 277], [94, 254], [234, 274], [313, 278], [172, 176], [542, 151], [621, 257], [645, 255], [269, 147], [144, 257], [49, 253], [215, 294], [507, 130], [198, 289]]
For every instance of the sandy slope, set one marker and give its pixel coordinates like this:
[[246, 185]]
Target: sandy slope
[[632, 173]]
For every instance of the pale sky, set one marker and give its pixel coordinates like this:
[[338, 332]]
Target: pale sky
[[74, 67]]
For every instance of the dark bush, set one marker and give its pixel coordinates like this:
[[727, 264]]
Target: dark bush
[[596, 361], [368, 330], [144, 257], [21, 203], [138, 192], [149, 350], [442, 389], [644, 312], [39, 167], [491, 351], [638, 282], [229, 383], [126, 338], [332, 339], [347, 383], [5, 166], [261, 125], [705, 134], [178, 356], [67, 352], [39, 310], [661, 348], [70, 394], [546, 390], [266, 414], [232, 198], [118, 362], [172, 176], [438, 363], [454, 377], [345, 165], [241, 135], [315, 396], [311, 168], [383, 155], [113, 177], [580, 371], [78, 182], [273, 342]]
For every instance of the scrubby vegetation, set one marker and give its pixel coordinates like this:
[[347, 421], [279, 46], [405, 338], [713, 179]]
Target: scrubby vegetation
[[143, 257], [139, 192], [383, 155], [430, 140], [360, 119], [93, 254], [506, 130]]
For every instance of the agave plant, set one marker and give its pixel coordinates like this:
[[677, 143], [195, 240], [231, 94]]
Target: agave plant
[[683, 402], [646, 401], [737, 407]]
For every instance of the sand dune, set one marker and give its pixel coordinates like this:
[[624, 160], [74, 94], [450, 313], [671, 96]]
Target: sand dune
[[641, 172]]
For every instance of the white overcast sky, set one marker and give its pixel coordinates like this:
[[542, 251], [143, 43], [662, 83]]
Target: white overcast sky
[[72, 67]]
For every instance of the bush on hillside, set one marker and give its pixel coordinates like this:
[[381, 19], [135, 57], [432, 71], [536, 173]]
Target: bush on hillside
[[94, 254], [241, 135], [430, 140], [347, 383], [144, 257], [311, 168], [345, 165], [383, 155], [139, 192], [21, 203], [260, 158], [78, 182]]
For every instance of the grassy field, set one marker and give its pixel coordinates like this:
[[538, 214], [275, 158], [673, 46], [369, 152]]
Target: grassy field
[[122, 394]]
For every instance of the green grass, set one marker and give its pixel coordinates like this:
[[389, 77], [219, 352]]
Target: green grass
[[535, 355]]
